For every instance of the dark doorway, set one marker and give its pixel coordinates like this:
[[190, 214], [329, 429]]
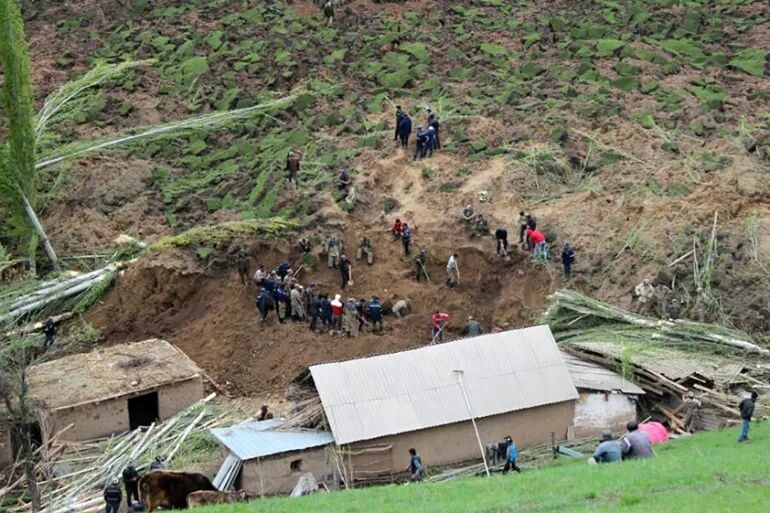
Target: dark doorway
[[35, 435], [143, 410]]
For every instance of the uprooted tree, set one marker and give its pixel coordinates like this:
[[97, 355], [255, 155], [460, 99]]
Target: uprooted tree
[[24, 152]]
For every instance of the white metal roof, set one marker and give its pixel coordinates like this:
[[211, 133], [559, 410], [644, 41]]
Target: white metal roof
[[251, 440], [417, 389], [590, 376]]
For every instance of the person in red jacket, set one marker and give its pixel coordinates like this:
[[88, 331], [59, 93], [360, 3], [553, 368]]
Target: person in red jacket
[[398, 228], [537, 239], [438, 322]]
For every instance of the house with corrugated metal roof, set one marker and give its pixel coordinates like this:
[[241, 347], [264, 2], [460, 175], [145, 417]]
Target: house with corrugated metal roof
[[265, 460], [607, 400], [512, 383]]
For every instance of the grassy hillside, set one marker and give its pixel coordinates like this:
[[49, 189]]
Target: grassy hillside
[[706, 473]]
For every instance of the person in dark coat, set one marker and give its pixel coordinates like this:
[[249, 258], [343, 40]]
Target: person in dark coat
[[501, 236], [422, 144], [746, 409], [567, 258], [405, 130], [281, 299], [49, 330], [434, 123], [157, 464], [243, 265], [265, 303], [431, 140], [346, 271], [131, 483], [112, 497], [375, 313], [360, 313], [399, 116], [315, 312], [343, 181], [292, 167], [406, 238], [326, 311]]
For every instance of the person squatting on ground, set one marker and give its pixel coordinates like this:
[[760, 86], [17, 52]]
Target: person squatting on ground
[[421, 265], [346, 272], [452, 271], [350, 318], [501, 236], [438, 322], [375, 314], [112, 498], [333, 250], [567, 259], [397, 230], [406, 238], [365, 247], [416, 468], [401, 308], [511, 454], [292, 167], [746, 409], [608, 451]]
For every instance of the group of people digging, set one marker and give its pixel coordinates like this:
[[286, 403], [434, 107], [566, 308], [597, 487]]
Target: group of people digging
[[428, 135]]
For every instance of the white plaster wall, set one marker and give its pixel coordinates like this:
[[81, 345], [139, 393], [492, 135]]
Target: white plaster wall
[[595, 411]]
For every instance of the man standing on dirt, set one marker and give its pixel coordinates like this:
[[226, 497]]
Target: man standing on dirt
[[421, 265], [243, 265], [349, 321], [746, 409], [567, 258], [399, 116], [346, 272], [49, 330], [326, 312], [452, 271], [438, 322], [282, 301], [265, 303], [259, 275], [435, 125], [336, 306], [365, 247], [333, 250], [405, 130], [431, 140], [295, 296], [522, 226], [501, 236], [292, 167], [112, 497], [422, 144], [645, 293], [343, 182], [131, 483], [662, 295], [315, 312], [375, 314], [406, 238]]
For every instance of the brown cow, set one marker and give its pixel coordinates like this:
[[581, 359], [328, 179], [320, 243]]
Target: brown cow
[[170, 489], [208, 498]]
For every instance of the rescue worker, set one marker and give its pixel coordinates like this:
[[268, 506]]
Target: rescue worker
[[343, 182], [473, 328], [522, 226], [365, 247], [674, 308], [431, 140], [397, 229], [433, 122], [283, 268], [405, 130], [422, 144], [399, 116], [304, 245], [265, 303], [349, 321], [295, 296], [374, 308], [438, 322], [567, 258], [406, 238], [333, 250], [645, 293], [131, 483], [292, 167], [401, 308], [315, 312], [662, 295], [421, 265], [346, 272], [691, 413], [243, 265], [49, 330], [281, 299], [336, 309], [452, 271], [157, 464], [326, 312], [501, 236], [112, 498], [329, 13], [361, 313]]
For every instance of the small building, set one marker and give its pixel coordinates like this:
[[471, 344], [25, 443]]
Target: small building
[[112, 389], [607, 400], [264, 460], [514, 383]]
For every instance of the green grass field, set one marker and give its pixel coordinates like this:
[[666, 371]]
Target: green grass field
[[706, 473]]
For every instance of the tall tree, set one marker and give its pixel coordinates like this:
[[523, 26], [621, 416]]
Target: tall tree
[[18, 181]]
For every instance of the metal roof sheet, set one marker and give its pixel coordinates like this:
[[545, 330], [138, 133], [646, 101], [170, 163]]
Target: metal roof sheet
[[590, 376], [383, 395], [251, 440]]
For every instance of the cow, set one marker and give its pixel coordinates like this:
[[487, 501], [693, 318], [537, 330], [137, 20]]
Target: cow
[[206, 498], [170, 489]]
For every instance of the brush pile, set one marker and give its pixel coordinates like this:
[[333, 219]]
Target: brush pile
[[666, 358], [73, 475]]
